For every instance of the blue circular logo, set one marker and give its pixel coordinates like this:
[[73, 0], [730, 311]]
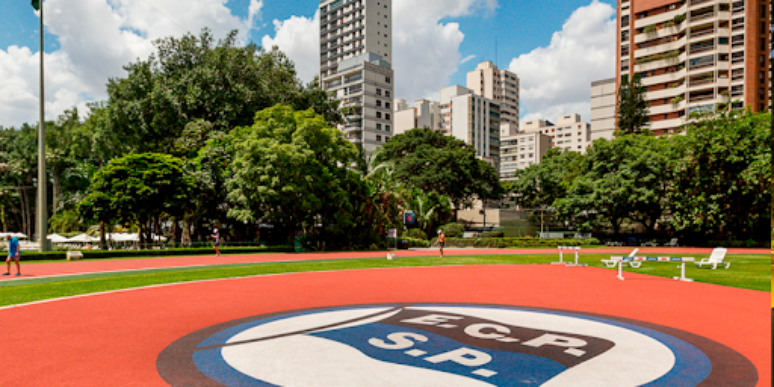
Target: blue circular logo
[[448, 345]]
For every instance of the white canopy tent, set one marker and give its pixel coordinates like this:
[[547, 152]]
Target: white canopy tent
[[82, 238], [56, 238]]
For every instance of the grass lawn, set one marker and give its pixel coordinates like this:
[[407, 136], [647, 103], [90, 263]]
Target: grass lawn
[[747, 271]]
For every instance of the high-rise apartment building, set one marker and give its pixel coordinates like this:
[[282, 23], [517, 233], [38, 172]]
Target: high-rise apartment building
[[694, 55], [501, 86], [474, 119], [603, 109], [355, 64]]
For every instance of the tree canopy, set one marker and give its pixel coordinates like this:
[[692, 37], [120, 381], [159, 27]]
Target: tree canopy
[[432, 162], [194, 79], [140, 188]]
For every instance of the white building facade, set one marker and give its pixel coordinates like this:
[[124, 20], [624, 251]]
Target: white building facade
[[603, 106], [568, 133], [501, 86], [355, 64], [473, 119], [520, 151], [424, 114]]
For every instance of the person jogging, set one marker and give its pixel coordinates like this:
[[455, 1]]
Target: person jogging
[[13, 254], [216, 241], [441, 241]]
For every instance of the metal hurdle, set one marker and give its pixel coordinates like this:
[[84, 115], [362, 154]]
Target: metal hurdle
[[561, 256], [681, 260]]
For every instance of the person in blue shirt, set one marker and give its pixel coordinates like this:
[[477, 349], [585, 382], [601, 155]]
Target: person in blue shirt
[[13, 254]]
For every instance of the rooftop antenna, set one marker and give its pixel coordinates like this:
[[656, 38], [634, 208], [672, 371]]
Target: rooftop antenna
[[497, 59]]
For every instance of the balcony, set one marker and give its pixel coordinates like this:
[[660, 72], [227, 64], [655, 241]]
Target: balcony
[[664, 78], [667, 108], [666, 124], [659, 63], [660, 18], [665, 93], [659, 48], [694, 84], [660, 33]]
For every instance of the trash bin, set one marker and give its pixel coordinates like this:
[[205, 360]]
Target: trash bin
[[403, 244], [298, 244]]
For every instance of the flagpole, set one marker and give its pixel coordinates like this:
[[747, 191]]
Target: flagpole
[[42, 222]]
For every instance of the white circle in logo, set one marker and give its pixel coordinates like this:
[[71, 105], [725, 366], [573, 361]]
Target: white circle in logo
[[434, 345]]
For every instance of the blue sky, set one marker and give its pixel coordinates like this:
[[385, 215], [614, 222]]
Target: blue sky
[[87, 41]]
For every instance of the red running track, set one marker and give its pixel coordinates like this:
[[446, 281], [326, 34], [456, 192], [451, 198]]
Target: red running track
[[96, 266], [115, 338]]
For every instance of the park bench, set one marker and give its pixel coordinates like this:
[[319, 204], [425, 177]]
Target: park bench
[[74, 255]]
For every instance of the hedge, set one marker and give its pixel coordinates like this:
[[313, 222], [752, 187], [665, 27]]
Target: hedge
[[517, 242], [413, 242], [101, 254]]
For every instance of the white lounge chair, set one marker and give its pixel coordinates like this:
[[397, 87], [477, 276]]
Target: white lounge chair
[[672, 243], [612, 263], [717, 257]]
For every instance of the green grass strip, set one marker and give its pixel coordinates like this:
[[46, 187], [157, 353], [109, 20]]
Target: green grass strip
[[747, 271]]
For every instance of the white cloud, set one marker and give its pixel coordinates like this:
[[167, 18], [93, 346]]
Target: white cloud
[[425, 50], [467, 59], [97, 38], [556, 80], [299, 38], [254, 12]]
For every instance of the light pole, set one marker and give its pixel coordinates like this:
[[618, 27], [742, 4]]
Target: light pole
[[42, 218]]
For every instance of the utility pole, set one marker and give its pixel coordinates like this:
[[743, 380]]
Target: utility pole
[[42, 218]]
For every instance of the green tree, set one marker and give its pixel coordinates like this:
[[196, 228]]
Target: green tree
[[195, 79], [138, 188], [543, 183], [632, 107], [723, 188], [431, 162], [290, 169], [626, 178]]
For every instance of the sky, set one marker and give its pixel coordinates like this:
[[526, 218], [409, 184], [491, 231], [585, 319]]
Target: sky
[[556, 47]]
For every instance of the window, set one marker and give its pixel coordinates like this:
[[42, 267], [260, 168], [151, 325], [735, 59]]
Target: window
[[387, 105], [378, 114], [378, 103], [378, 91], [378, 138], [387, 128], [387, 116], [387, 79], [387, 93], [378, 126]]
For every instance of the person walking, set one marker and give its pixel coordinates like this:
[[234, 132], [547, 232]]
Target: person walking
[[216, 241], [441, 241], [13, 254]]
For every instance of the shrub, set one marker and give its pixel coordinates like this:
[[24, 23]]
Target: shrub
[[413, 242], [678, 19], [100, 254], [453, 230], [414, 233], [492, 234], [518, 242]]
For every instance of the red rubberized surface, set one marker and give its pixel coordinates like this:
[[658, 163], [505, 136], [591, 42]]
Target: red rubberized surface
[[114, 339], [80, 267]]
